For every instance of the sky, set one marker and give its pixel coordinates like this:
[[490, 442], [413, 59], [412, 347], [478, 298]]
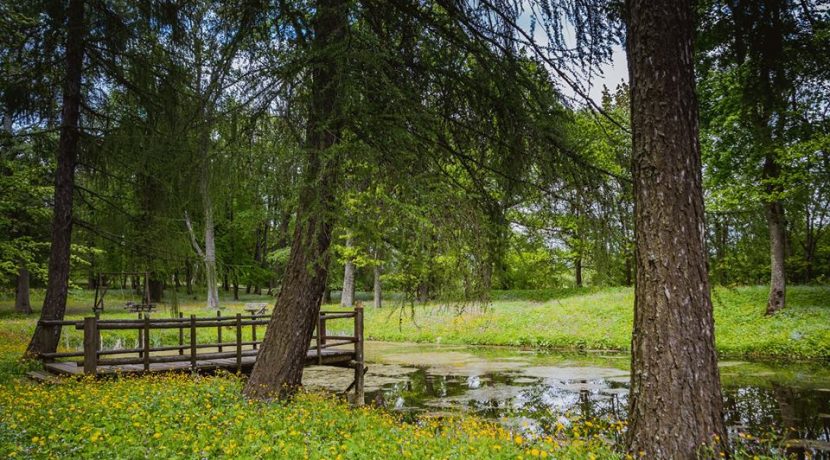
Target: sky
[[613, 73]]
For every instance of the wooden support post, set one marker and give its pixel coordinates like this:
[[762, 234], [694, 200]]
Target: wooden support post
[[181, 335], [146, 288], [321, 333], [90, 345], [358, 355], [140, 343], [219, 330], [146, 343], [193, 343], [238, 342], [253, 332]]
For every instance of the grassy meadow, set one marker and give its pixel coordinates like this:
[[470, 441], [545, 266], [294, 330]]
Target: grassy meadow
[[180, 416], [601, 319], [566, 319]]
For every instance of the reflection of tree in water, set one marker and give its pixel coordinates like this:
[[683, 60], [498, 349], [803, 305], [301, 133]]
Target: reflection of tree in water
[[749, 408], [796, 414], [753, 409]]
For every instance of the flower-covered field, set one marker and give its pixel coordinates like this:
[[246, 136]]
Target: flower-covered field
[[179, 416], [182, 416]]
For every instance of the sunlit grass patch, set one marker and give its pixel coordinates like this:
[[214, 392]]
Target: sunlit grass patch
[[178, 416], [601, 319]]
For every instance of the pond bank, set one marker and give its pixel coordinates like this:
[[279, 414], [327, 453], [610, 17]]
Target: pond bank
[[600, 319], [537, 393]]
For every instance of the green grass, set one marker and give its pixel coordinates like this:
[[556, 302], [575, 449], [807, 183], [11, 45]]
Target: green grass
[[180, 416], [595, 319], [177, 416], [567, 319]]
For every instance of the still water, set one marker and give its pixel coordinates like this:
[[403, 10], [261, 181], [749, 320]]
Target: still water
[[530, 391]]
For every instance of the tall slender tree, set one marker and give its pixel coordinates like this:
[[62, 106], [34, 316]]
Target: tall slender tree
[[675, 402], [45, 338], [279, 367]]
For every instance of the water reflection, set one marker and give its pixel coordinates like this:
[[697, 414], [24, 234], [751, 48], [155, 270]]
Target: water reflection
[[532, 392]]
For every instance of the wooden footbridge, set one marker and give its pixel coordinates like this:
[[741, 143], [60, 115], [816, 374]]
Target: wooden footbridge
[[152, 355]]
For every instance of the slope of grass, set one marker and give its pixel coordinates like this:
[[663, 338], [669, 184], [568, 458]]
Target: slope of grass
[[602, 319]]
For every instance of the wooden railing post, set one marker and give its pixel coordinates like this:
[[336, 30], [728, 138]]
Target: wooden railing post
[[181, 334], [91, 345], [321, 336], [146, 343], [140, 343], [238, 342], [358, 355], [253, 330], [193, 342], [219, 330]]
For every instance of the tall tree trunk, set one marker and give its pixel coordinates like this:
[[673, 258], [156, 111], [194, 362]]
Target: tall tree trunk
[[210, 242], [347, 294], [8, 125], [21, 295], [156, 290], [377, 289], [422, 292], [45, 338], [188, 277], [263, 255], [279, 366], [675, 400], [578, 271], [777, 242], [235, 287]]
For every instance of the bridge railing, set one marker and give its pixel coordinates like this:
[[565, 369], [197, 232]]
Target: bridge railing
[[146, 354]]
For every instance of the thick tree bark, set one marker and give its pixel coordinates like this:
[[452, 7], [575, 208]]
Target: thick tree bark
[[347, 294], [279, 366], [45, 338], [578, 271], [22, 304], [377, 289], [675, 400]]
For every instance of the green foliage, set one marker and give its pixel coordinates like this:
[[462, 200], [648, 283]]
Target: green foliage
[[24, 218], [762, 83]]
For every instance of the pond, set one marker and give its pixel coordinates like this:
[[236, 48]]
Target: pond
[[531, 391]]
